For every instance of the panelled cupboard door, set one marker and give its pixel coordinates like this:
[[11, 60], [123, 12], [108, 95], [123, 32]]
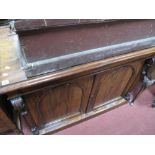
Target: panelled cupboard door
[[113, 83], [54, 104]]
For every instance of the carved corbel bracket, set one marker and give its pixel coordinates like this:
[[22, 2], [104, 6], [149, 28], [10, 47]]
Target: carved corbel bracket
[[18, 110], [146, 79], [149, 75], [18, 105], [148, 72]]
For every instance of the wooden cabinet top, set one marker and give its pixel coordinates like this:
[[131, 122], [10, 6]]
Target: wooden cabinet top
[[53, 49]]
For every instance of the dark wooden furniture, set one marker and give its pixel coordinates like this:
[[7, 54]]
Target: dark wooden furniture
[[6, 123], [71, 70]]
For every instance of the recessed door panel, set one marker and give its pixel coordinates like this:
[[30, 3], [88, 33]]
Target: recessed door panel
[[113, 83], [51, 104]]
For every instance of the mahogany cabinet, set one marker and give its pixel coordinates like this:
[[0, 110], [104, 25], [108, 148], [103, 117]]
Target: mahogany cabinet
[[66, 102], [68, 71]]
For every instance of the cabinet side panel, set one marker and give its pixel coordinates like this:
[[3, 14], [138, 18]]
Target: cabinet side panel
[[5, 123]]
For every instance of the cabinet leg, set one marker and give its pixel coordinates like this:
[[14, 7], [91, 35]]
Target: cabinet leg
[[35, 131], [131, 103], [130, 98], [153, 104]]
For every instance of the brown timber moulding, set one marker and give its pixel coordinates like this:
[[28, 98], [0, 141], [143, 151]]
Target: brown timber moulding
[[80, 70]]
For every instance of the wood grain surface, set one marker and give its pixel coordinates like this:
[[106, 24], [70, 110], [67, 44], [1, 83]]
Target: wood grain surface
[[10, 67]]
